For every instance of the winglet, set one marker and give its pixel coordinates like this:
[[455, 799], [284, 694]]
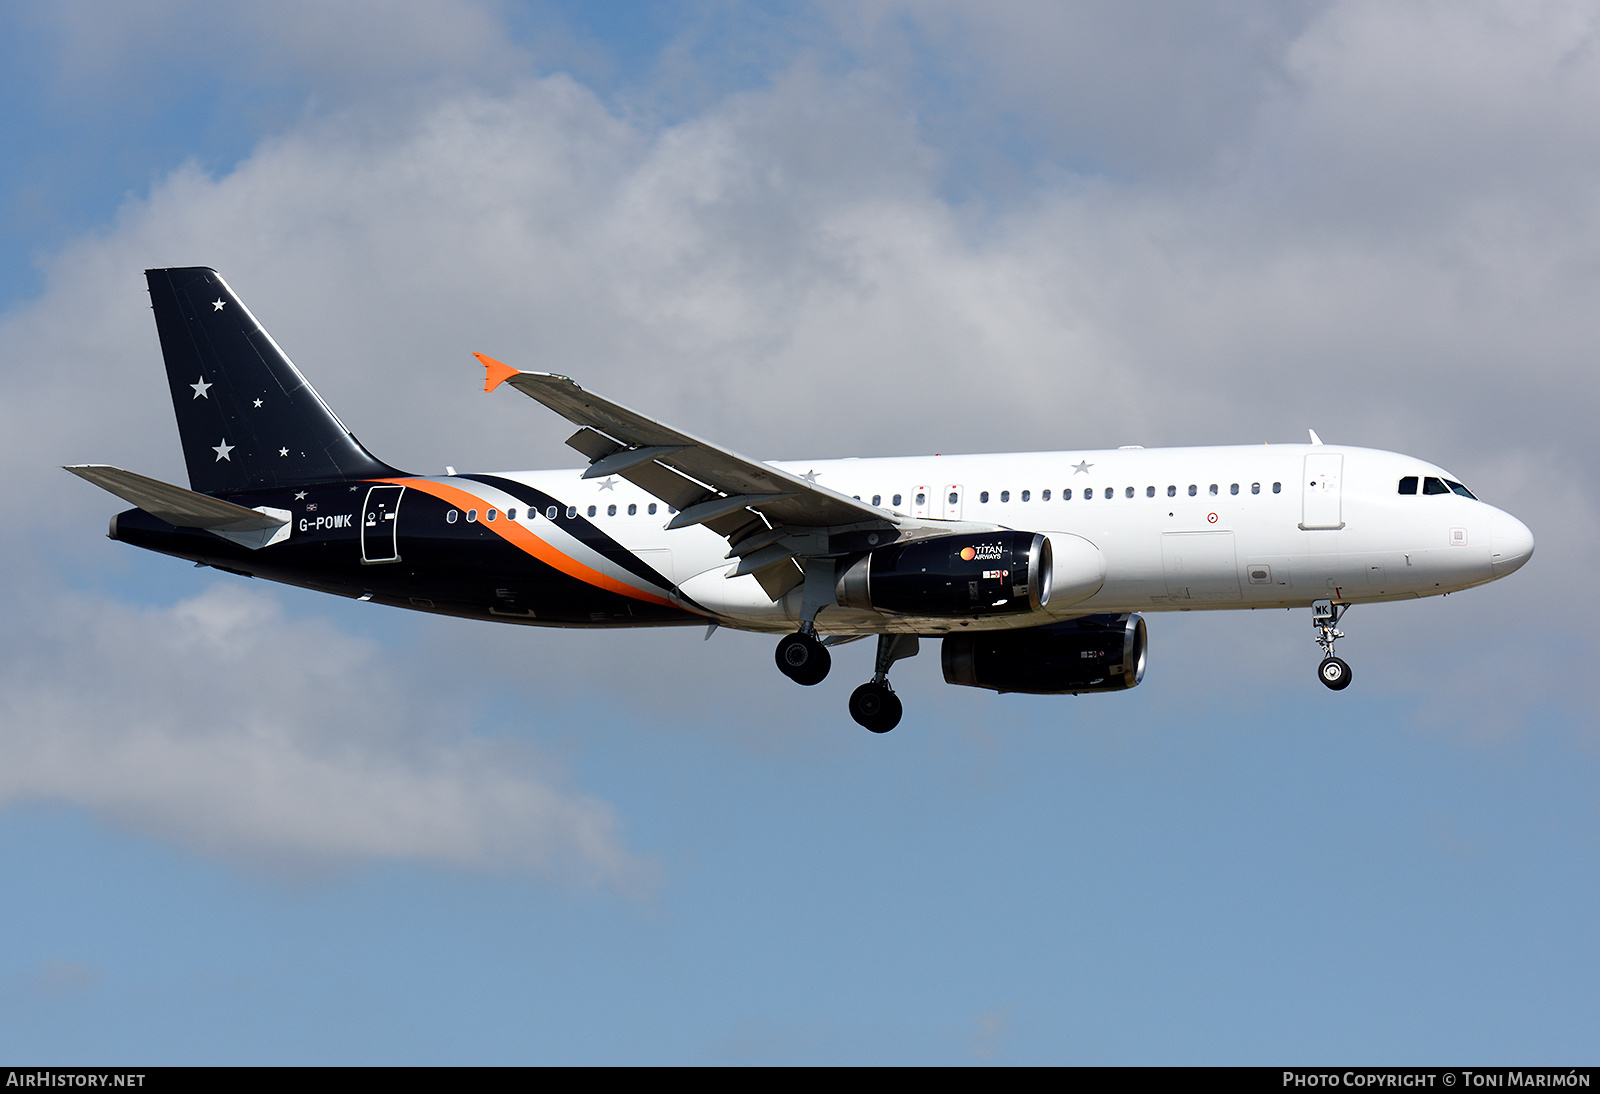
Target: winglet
[[1314, 438], [496, 373]]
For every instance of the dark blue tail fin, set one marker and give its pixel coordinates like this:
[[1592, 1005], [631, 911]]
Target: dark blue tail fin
[[247, 418]]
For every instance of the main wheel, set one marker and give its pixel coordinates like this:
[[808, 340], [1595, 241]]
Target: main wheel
[[1334, 673], [875, 707], [803, 659]]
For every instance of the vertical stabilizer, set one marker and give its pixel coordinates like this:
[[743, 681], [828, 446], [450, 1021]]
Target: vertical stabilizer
[[247, 418]]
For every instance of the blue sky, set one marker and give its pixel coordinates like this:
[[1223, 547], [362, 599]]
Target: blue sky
[[241, 823]]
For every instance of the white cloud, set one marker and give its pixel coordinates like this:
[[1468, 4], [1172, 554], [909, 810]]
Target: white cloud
[[227, 728]]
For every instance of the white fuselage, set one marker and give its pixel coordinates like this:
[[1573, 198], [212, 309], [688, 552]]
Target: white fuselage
[[1176, 529]]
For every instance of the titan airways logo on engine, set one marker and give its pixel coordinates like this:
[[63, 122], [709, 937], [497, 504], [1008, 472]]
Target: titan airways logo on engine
[[317, 524], [985, 552]]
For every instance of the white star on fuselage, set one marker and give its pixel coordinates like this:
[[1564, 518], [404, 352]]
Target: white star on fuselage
[[223, 449], [217, 304], [200, 387], [1081, 468], [608, 483], [301, 496], [258, 402], [285, 452], [811, 477]]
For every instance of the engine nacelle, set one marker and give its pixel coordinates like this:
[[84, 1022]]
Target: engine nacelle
[[992, 573], [1096, 653]]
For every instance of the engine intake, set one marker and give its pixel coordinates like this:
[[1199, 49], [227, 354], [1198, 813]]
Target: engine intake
[[993, 573], [1096, 653]]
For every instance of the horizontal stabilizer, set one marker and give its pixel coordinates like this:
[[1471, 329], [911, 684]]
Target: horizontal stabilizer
[[186, 509]]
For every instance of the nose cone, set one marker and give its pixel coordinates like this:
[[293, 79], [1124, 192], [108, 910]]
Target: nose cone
[[1511, 545]]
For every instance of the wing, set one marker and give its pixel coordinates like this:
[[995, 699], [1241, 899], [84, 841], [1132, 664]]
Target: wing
[[773, 520]]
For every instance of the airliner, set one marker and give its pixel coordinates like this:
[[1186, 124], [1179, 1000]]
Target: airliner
[[1034, 571]]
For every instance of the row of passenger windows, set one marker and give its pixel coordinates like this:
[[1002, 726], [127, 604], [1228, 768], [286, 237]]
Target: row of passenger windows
[[1088, 494], [1432, 485], [550, 513], [1108, 492]]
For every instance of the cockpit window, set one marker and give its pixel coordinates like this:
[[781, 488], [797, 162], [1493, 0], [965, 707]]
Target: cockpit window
[[1408, 485], [1431, 485], [1457, 488]]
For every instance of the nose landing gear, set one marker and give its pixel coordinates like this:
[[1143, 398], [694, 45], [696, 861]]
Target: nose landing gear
[[874, 704], [1325, 616]]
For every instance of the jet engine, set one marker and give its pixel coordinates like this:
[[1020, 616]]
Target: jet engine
[[991, 573], [1096, 653]]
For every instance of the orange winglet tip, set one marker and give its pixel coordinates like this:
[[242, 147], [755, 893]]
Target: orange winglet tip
[[496, 372]]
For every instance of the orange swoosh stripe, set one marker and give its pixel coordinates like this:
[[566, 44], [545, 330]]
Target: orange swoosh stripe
[[519, 537]]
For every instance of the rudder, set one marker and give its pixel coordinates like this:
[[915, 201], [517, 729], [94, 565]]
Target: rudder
[[247, 418]]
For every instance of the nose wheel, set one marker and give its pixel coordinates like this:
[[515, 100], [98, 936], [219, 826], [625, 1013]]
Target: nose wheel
[[1325, 616]]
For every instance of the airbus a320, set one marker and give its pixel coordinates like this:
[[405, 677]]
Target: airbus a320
[[1031, 569]]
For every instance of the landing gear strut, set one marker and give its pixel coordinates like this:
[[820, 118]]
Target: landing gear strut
[[1325, 616], [874, 704]]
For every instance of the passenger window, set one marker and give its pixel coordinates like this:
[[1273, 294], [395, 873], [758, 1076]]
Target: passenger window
[[491, 514], [1193, 489], [1026, 494], [511, 514], [591, 510], [1408, 485], [983, 498], [1149, 491], [611, 510], [1088, 493], [1255, 488], [1005, 495], [1045, 496], [572, 511], [1066, 495], [922, 499], [954, 497], [1277, 488], [550, 513], [1172, 491], [652, 509], [895, 501], [1213, 489], [633, 510], [877, 499], [1234, 489], [1431, 485], [472, 515], [1459, 489], [1129, 493], [450, 517]]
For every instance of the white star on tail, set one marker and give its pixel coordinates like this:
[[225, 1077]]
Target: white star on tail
[[223, 449], [217, 304], [258, 401], [301, 496], [284, 452], [200, 387]]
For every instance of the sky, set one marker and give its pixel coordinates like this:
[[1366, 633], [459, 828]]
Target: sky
[[241, 823]]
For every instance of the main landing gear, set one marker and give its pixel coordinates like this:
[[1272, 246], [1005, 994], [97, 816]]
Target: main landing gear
[[804, 659], [1325, 616], [874, 704]]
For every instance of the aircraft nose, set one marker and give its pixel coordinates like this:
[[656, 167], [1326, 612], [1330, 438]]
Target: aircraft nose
[[1512, 544]]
